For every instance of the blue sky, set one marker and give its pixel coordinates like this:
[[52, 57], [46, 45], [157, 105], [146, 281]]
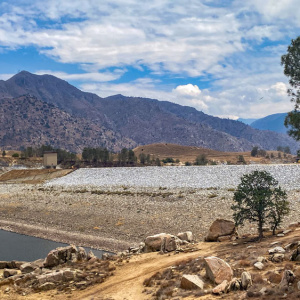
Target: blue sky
[[221, 57]]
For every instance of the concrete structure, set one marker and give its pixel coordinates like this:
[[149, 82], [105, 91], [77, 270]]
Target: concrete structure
[[50, 159]]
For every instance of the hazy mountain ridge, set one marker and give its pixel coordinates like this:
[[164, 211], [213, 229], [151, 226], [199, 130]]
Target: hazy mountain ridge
[[131, 121], [274, 122]]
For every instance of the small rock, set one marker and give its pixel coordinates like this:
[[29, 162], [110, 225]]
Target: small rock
[[287, 231], [224, 238], [9, 272], [288, 277], [246, 280], [46, 286], [280, 235], [189, 282], [234, 285], [277, 257], [298, 285], [274, 243], [259, 265], [221, 288], [185, 236], [276, 250], [263, 291], [261, 259]]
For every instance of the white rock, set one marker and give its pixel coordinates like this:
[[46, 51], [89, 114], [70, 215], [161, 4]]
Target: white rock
[[277, 249], [259, 265]]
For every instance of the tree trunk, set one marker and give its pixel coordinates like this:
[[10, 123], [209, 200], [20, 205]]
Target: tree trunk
[[260, 229]]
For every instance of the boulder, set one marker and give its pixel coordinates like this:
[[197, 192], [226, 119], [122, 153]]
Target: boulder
[[9, 272], [296, 254], [220, 227], [221, 288], [288, 277], [190, 282], [28, 267], [60, 256], [161, 242], [185, 236], [234, 285], [217, 269], [81, 254], [91, 255], [46, 286], [246, 280], [277, 257]]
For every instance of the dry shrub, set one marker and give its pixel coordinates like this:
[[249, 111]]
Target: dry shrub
[[289, 266], [151, 281], [244, 263], [274, 277], [257, 278]]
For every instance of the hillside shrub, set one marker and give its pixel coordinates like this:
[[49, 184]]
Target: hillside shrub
[[15, 155]]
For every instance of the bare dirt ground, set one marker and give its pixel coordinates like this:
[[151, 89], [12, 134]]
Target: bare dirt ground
[[32, 176], [129, 276]]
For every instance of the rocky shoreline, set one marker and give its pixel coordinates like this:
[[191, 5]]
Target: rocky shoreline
[[116, 218]]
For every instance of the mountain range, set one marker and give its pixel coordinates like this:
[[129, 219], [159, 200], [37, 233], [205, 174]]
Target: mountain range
[[44, 109]]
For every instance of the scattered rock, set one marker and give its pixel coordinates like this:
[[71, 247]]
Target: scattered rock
[[298, 285], [246, 280], [221, 288], [287, 231], [280, 235], [234, 285], [220, 227], [9, 272], [189, 282], [259, 265], [161, 242], [47, 286], [263, 291], [277, 257], [277, 249], [81, 254], [296, 254], [185, 236], [287, 277], [261, 259], [224, 238], [217, 269]]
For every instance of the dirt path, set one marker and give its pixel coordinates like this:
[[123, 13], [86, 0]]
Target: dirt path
[[127, 282]]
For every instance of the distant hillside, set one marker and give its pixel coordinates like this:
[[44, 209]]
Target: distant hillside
[[189, 153], [27, 121], [126, 121], [273, 122]]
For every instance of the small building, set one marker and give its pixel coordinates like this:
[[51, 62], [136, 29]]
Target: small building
[[50, 159]]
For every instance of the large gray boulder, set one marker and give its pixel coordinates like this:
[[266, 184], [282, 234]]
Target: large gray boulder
[[219, 228]]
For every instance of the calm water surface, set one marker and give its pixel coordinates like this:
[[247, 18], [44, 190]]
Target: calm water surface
[[16, 246]]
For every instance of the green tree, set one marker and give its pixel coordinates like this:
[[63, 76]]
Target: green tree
[[241, 159], [15, 155], [259, 199], [291, 63], [201, 160], [254, 151], [3, 153]]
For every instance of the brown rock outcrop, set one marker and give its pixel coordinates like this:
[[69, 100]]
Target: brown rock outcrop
[[220, 227]]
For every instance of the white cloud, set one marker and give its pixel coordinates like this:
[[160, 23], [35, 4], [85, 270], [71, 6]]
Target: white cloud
[[218, 44]]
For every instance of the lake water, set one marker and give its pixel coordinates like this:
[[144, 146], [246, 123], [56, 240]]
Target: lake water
[[21, 247]]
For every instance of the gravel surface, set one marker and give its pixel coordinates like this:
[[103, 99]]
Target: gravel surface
[[113, 209], [218, 176]]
